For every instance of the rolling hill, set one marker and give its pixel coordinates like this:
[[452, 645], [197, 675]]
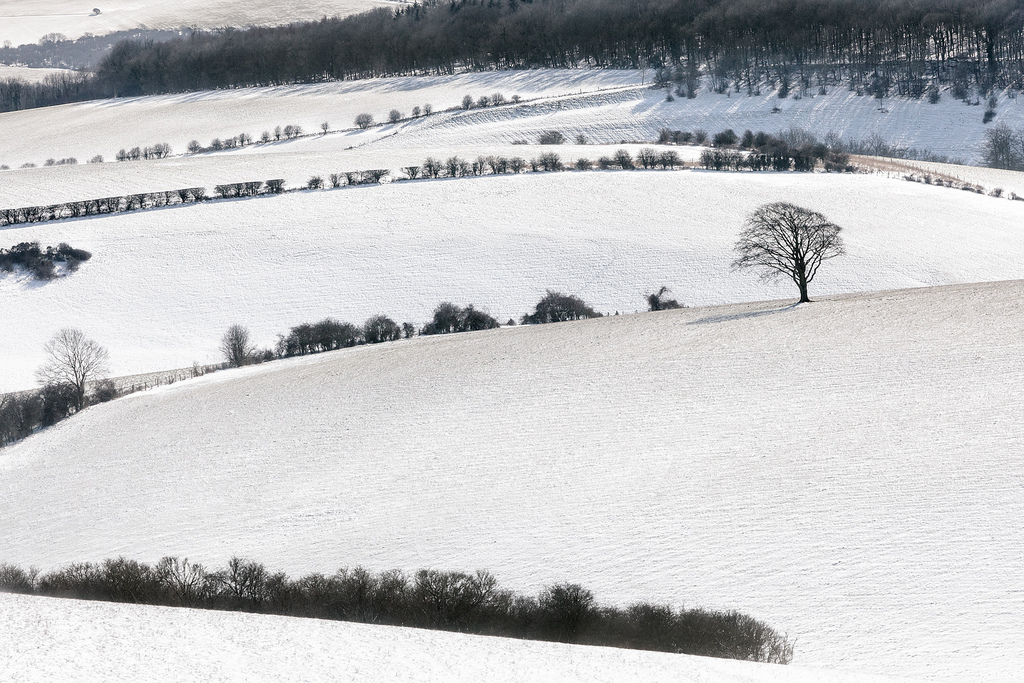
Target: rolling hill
[[163, 285], [844, 470]]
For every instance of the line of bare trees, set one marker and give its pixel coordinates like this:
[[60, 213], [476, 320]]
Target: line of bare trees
[[432, 599]]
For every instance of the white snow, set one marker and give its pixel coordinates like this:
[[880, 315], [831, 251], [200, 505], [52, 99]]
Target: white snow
[[30, 74], [46, 640], [163, 285], [845, 470], [26, 21]]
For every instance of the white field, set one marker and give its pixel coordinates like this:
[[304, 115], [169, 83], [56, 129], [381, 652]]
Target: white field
[[46, 640], [26, 21], [30, 74], [605, 106], [846, 470], [163, 285]]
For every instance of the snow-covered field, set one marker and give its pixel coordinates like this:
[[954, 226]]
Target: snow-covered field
[[30, 74], [845, 470], [48, 640], [163, 285], [605, 106], [26, 21]]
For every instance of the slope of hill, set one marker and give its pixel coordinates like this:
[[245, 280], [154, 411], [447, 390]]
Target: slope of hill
[[163, 285], [47, 640], [26, 21], [845, 470], [606, 106]]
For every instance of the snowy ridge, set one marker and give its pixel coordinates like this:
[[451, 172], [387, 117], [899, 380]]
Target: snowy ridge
[[844, 470]]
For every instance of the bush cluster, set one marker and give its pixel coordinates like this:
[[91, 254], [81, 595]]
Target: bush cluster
[[432, 599], [42, 263], [160, 150], [796, 151]]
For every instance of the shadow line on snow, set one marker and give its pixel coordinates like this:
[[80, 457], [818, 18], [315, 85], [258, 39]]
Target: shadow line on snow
[[740, 316]]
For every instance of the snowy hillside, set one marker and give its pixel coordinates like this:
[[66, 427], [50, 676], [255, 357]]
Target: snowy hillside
[[845, 470], [46, 640], [163, 285], [605, 106], [26, 21]]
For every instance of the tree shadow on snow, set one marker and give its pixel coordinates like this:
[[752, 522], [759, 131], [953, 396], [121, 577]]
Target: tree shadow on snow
[[741, 316]]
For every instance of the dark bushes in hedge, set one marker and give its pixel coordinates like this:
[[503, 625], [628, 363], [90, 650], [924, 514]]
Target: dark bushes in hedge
[[556, 307], [442, 600]]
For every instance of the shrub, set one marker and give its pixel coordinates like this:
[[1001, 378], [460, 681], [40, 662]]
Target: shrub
[[275, 186], [364, 121], [413, 172], [467, 102], [432, 168], [98, 159], [551, 137], [700, 136], [582, 164], [428, 109], [556, 307], [416, 112], [726, 138], [668, 159], [647, 157], [394, 116], [449, 318], [659, 301], [41, 263], [549, 161], [381, 328], [497, 99], [336, 179], [623, 159], [605, 163], [516, 164], [483, 101], [315, 183]]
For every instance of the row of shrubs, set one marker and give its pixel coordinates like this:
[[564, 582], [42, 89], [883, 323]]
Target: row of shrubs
[[432, 599], [103, 205], [42, 263], [161, 150], [448, 318]]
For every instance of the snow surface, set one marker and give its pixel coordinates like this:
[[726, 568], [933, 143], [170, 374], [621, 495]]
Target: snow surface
[[846, 470], [607, 106], [30, 74], [163, 285], [26, 21], [43, 639]]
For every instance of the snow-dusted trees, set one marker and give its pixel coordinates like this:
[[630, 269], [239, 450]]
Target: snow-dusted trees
[[364, 121], [556, 307], [782, 239], [236, 346], [72, 361]]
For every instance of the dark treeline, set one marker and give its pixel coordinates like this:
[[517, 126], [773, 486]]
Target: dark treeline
[[440, 600], [905, 47]]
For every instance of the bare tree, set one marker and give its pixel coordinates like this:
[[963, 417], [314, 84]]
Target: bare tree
[[237, 346], [73, 360], [364, 121], [784, 239]]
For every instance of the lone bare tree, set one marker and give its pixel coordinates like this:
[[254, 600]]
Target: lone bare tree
[[73, 360], [784, 239], [237, 346]]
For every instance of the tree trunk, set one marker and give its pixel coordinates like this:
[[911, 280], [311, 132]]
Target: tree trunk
[[801, 282]]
